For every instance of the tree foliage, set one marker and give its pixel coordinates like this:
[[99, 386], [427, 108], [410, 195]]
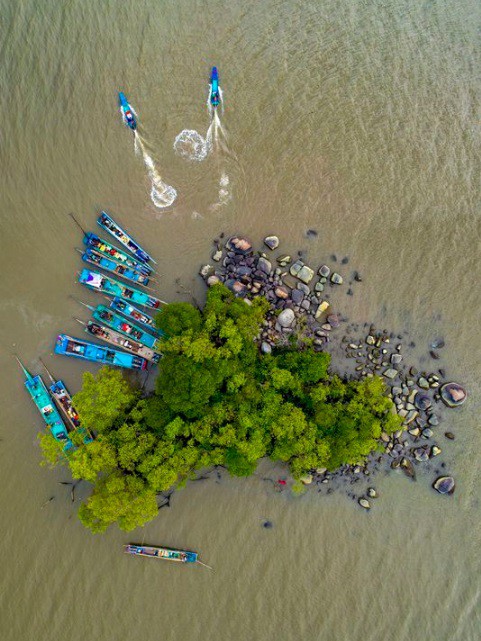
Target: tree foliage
[[218, 401]]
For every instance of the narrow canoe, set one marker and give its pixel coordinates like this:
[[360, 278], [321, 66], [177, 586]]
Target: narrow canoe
[[40, 396], [108, 223], [95, 258], [68, 346], [167, 554], [110, 251], [115, 321], [111, 287], [118, 340], [132, 313]]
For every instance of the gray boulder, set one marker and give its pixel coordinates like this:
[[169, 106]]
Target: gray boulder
[[271, 241], [286, 318], [444, 485]]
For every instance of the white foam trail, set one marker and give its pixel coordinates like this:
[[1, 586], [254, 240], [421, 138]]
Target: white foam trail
[[224, 180], [162, 195], [191, 145], [221, 98], [209, 105]]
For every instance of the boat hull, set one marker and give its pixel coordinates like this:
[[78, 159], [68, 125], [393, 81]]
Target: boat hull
[[94, 258], [68, 346], [108, 223], [164, 554], [119, 324], [132, 313], [108, 250], [127, 112], [118, 340], [40, 396], [111, 287]]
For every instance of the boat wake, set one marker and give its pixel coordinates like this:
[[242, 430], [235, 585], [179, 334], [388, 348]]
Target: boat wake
[[161, 194], [189, 144]]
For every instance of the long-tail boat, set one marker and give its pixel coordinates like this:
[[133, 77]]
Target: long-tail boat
[[95, 258], [105, 315], [108, 223], [110, 251], [167, 554], [132, 313], [118, 340], [40, 396], [64, 403], [111, 287], [69, 346]]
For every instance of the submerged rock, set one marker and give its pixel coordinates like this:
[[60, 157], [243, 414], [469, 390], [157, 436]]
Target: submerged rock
[[453, 394], [444, 485], [371, 492], [336, 279], [365, 504]]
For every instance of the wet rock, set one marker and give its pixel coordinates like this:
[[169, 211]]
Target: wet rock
[[297, 296], [311, 233], [345, 260], [422, 402], [449, 435], [437, 344], [296, 268], [336, 279], [206, 271], [306, 274], [319, 287], [421, 455], [371, 492], [423, 382], [264, 265], [349, 292], [213, 280], [357, 277], [390, 373], [408, 468], [306, 479], [281, 292], [370, 340], [286, 318], [266, 348], [435, 450], [217, 255], [238, 288], [239, 245], [427, 432], [365, 504], [321, 470], [434, 355], [444, 485], [333, 320], [433, 420], [396, 359], [268, 525], [453, 394], [284, 260], [324, 271], [272, 242], [304, 288], [321, 309]]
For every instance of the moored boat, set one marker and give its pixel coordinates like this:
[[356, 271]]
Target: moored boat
[[132, 313], [69, 346], [110, 251], [95, 258], [105, 315], [108, 223], [167, 554], [115, 338], [111, 287], [40, 396]]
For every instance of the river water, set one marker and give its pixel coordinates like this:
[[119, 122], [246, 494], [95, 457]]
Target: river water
[[361, 120]]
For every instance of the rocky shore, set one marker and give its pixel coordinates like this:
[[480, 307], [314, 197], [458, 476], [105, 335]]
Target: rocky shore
[[301, 311]]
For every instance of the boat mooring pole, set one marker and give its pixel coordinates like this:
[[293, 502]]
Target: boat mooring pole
[[77, 222]]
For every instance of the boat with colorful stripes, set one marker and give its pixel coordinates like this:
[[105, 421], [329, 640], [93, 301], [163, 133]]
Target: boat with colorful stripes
[[43, 402], [118, 340], [108, 223], [167, 554], [109, 265], [106, 285], [105, 315], [68, 346], [132, 313], [108, 250]]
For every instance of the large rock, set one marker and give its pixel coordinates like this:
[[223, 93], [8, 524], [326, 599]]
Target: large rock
[[297, 296], [296, 267], [286, 318], [239, 245], [236, 287], [264, 265], [322, 308], [390, 373], [306, 274], [271, 241], [444, 485], [213, 280], [422, 402], [324, 271], [336, 279], [453, 394]]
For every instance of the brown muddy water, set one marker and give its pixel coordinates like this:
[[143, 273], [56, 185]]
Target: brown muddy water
[[360, 120]]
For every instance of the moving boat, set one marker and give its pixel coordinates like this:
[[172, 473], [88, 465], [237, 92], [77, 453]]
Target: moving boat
[[214, 96], [168, 554], [111, 287], [68, 346], [64, 403], [127, 112], [108, 223], [109, 265], [115, 338], [105, 315], [131, 312], [110, 251], [40, 396]]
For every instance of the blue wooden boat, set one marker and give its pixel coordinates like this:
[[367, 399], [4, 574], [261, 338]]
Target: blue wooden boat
[[108, 223], [132, 313], [40, 396], [111, 287], [68, 346], [167, 554], [105, 315], [109, 265], [110, 251], [119, 340], [64, 402]]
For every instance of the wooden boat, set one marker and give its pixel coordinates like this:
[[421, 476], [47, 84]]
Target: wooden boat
[[64, 403], [115, 321], [132, 313], [115, 338], [109, 265], [108, 223], [69, 346], [40, 396], [167, 554], [110, 251], [106, 285]]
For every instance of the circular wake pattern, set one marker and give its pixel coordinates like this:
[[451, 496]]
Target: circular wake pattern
[[162, 195], [191, 145]]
